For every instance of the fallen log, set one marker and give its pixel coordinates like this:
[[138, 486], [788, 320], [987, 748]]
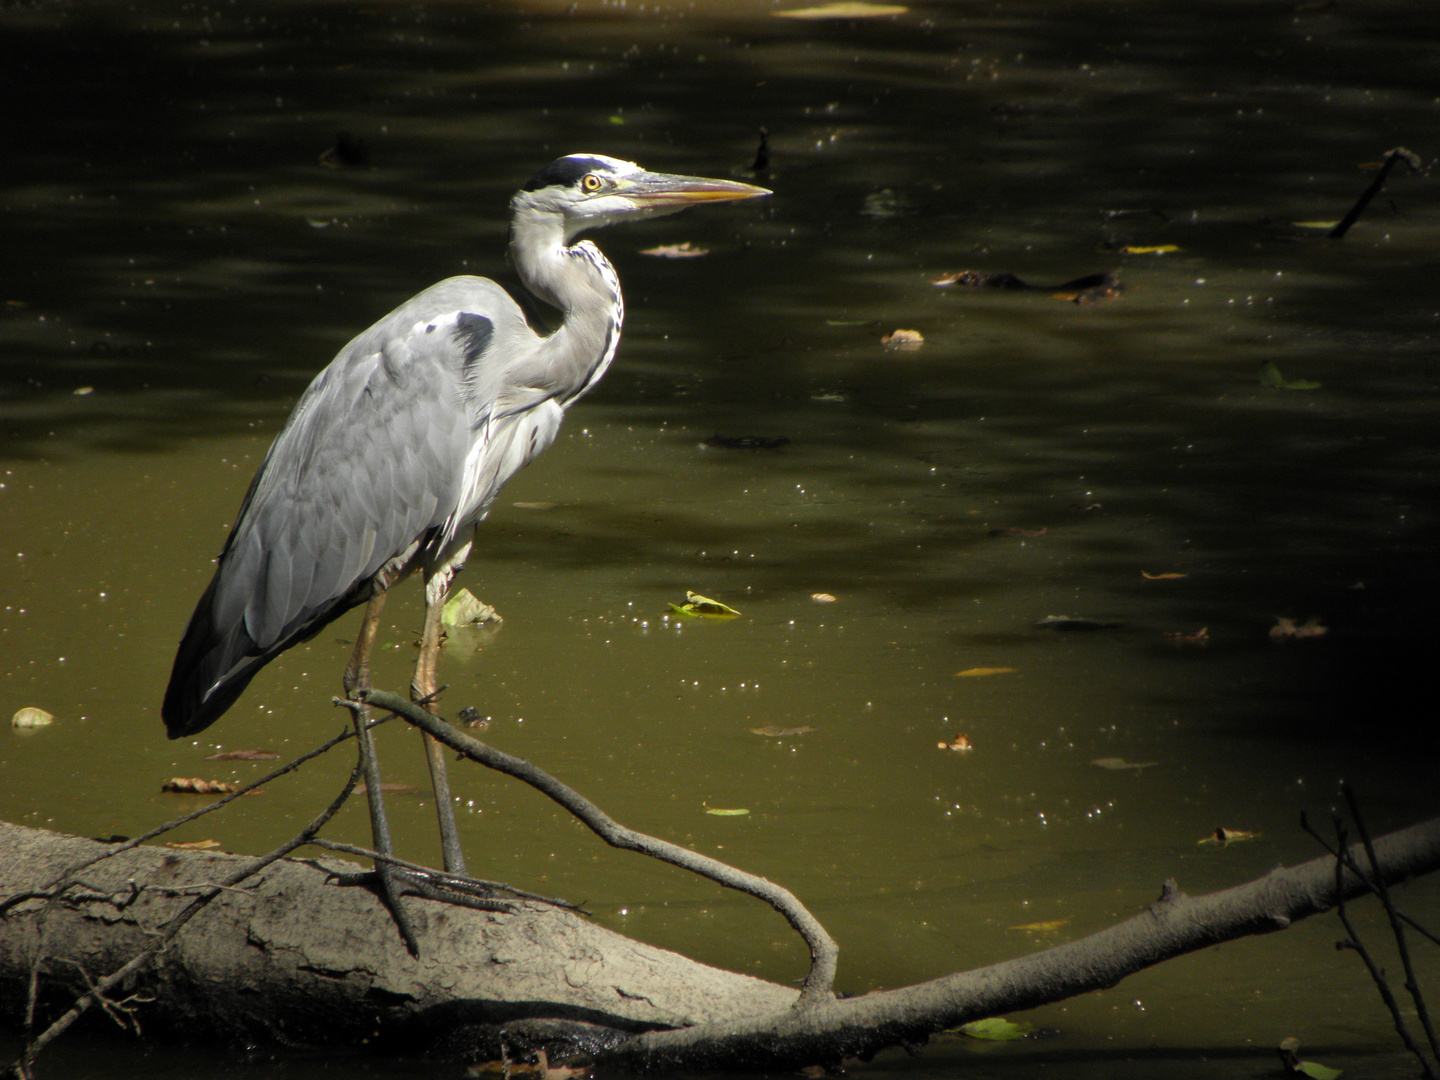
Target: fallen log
[[291, 957]]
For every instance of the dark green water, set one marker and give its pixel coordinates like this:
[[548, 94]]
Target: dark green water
[[174, 248]]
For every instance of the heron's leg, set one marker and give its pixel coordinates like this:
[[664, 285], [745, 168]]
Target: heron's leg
[[423, 687], [357, 678]]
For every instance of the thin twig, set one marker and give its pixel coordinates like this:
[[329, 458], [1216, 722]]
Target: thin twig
[[1397, 927], [21, 1066], [65, 880], [441, 878], [1390, 157], [1365, 878], [823, 951], [1352, 941]]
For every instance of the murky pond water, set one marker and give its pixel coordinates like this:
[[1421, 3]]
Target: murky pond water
[[181, 265]]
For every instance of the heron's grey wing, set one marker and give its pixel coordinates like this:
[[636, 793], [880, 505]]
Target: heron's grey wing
[[369, 466]]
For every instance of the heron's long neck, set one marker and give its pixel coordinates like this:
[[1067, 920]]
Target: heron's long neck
[[580, 281]]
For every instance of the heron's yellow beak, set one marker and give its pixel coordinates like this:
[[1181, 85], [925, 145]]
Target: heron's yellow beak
[[657, 190]]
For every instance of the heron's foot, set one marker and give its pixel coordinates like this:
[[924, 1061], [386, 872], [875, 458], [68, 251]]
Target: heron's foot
[[442, 888]]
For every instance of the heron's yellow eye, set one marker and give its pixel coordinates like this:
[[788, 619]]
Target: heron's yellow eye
[[590, 182]]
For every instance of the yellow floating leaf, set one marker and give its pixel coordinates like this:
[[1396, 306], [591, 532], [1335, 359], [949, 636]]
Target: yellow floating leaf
[[1042, 927], [1169, 576], [725, 813], [1158, 249], [848, 9], [31, 717], [1229, 836], [1316, 224], [702, 607], [822, 597], [196, 845], [981, 672], [962, 744], [465, 609]]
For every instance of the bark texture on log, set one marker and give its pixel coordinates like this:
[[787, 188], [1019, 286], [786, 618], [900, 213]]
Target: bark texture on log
[[288, 958]]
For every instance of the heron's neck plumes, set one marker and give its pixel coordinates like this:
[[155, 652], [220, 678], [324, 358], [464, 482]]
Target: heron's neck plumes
[[579, 281]]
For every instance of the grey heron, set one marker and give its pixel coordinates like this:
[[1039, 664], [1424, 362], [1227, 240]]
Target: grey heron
[[400, 445]]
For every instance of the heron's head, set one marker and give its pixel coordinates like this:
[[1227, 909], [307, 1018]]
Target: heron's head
[[587, 191]]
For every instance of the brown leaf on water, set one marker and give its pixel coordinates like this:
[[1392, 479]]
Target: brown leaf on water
[[1168, 576], [676, 251], [1116, 764], [1224, 836], [194, 785], [1200, 637], [962, 744], [390, 789], [903, 339], [981, 672], [781, 732], [1285, 629], [196, 845], [244, 755]]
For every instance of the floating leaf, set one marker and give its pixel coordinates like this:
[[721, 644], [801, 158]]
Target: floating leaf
[[535, 505], [676, 251], [961, 744], [1158, 249], [725, 813], [822, 597], [702, 607], [244, 755], [195, 845], [1200, 637], [1270, 376], [390, 789], [1285, 629], [903, 339], [845, 9], [1229, 836], [1316, 224], [464, 609], [1117, 763], [1064, 622], [996, 1029], [746, 442], [1168, 576], [781, 732], [83, 391], [196, 786], [1046, 927], [981, 672], [31, 717], [1316, 1071]]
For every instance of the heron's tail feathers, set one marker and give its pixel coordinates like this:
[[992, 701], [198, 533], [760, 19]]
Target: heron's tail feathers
[[215, 664], [210, 672]]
